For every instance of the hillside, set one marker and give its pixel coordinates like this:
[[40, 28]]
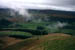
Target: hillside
[[48, 19], [47, 42], [53, 15], [66, 14], [50, 15]]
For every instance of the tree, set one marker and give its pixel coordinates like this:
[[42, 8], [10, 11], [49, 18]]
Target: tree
[[42, 30], [4, 23]]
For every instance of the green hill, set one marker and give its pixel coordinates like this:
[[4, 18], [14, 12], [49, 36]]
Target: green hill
[[46, 42]]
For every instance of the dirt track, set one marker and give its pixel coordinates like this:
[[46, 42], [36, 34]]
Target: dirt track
[[37, 42], [33, 44]]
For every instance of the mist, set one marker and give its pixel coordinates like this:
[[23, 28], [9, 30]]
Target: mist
[[57, 26], [22, 6], [65, 5]]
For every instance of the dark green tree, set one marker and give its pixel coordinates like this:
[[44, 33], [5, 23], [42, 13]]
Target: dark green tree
[[4, 23], [42, 30]]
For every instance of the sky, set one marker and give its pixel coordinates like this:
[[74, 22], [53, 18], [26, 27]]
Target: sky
[[66, 5]]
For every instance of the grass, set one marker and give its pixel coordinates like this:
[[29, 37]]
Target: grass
[[21, 44], [68, 31], [57, 43], [33, 25], [15, 33], [48, 42]]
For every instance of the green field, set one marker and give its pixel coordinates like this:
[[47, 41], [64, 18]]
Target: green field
[[51, 41], [41, 30], [48, 27], [7, 33], [47, 42]]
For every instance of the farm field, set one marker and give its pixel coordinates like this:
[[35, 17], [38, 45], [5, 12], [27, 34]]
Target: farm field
[[50, 27], [58, 41], [56, 38], [39, 30]]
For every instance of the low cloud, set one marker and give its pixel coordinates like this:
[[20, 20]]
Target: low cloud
[[66, 5], [21, 6], [57, 26]]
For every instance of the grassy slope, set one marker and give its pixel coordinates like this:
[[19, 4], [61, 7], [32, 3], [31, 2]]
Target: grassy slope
[[15, 33], [46, 25], [47, 42], [57, 43]]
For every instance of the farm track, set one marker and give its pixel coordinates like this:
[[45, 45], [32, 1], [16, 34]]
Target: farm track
[[11, 41], [33, 43], [38, 42]]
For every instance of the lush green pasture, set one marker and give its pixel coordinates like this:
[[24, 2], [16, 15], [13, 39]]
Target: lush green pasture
[[59, 44], [68, 31], [7, 33], [51, 42], [21, 44], [46, 25], [33, 25]]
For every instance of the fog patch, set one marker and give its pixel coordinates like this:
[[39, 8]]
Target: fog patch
[[57, 26]]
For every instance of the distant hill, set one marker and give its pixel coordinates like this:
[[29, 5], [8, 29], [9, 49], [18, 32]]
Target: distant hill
[[54, 15], [54, 12], [10, 15], [4, 12]]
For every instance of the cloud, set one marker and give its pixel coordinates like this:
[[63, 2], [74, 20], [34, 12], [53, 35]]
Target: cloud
[[67, 5], [57, 26]]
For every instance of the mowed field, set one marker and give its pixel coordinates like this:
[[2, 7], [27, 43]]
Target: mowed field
[[54, 41]]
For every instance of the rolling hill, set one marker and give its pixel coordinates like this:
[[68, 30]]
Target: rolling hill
[[57, 41], [51, 15], [54, 15]]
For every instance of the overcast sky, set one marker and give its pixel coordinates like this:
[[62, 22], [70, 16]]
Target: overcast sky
[[67, 5]]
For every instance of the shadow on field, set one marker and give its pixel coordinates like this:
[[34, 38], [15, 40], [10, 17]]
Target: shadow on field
[[20, 36]]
